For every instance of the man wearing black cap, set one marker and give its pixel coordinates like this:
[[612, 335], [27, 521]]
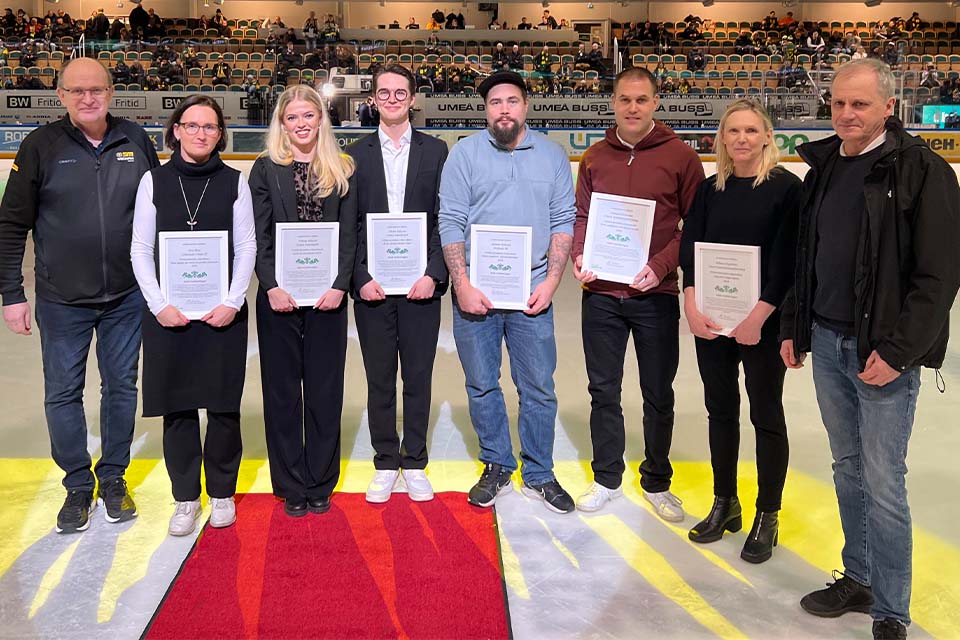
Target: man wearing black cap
[[509, 175]]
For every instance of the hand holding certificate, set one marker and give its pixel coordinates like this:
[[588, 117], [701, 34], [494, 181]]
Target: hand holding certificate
[[727, 282], [617, 243], [500, 259], [307, 259], [396, 250], [193, 271]]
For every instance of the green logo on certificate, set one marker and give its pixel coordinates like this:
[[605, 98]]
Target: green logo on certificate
[[192, 275], [307, 260], [398, 251], [725, 288], [500, 267], [616, 237]]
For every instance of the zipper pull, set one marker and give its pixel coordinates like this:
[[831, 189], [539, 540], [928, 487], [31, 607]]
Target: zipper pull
[[630, 161]]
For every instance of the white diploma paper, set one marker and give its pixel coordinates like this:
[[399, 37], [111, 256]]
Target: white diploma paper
[[727, 282], [194, 274], [396, 250], [306, 259], [500, 262], [617, 244]]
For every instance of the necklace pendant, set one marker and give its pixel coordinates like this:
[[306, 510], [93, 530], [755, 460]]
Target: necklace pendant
[[192, 224]]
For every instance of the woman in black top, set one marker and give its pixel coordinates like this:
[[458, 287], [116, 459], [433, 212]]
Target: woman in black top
[[303, 177], [750, 201]]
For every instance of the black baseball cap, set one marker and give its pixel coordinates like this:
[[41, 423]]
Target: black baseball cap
[[501, 77]]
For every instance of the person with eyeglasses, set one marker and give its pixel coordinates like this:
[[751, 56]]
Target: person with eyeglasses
[[302, 177], [400, 168], [199, 364], [73, 185]]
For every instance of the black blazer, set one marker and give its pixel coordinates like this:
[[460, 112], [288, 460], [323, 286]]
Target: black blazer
[[275, 200], [427, 155]]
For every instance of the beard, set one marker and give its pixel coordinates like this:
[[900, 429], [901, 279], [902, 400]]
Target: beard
[[505, 134]]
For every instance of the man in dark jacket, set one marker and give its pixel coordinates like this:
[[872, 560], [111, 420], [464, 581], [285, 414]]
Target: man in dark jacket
[[139, 18], [877, 272], [73, 185]]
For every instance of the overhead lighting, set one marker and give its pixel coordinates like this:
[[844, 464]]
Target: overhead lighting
[[873, 3], [545, 4], [708, 3]]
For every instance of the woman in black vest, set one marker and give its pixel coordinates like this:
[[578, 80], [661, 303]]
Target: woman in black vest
[[200, 364], [303, 177]]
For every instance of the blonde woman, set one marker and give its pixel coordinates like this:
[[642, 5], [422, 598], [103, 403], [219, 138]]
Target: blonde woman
[[302, 177], [750, 201]]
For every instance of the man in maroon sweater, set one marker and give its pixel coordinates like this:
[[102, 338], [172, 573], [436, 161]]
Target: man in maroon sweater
[[639, 158]]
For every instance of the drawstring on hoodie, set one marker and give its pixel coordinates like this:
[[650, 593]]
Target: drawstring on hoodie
[[630, 161]]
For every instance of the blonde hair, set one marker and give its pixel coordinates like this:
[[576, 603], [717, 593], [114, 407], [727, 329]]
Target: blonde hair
[[329, 169], [770, 156]]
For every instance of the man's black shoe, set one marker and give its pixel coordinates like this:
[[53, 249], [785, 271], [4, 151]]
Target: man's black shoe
[[319, 505], [889, 629], [494, 482], [114, 496], [840, 597], [295, 507], [75, 513], [552, 494]]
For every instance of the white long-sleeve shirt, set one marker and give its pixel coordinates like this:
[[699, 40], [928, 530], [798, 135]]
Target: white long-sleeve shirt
[[144, 240]]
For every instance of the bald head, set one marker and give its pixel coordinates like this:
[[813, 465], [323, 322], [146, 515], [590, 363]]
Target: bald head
[[86, 67], [85, 89]]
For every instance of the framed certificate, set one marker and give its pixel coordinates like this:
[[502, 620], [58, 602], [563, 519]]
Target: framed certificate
[[396, 250], [193, 270], [727, 282], [500, 262], [617, 243], [306, 259]]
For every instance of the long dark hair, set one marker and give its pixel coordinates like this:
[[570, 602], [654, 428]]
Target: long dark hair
[[171, 141]]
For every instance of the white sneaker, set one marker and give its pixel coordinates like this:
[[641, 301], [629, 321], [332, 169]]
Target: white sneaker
[[383, 483], [418, 486], [666, 505], [597, 496], [223, 512], [183, 522]]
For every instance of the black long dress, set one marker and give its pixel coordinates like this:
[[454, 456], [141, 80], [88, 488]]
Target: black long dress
[[196, 366]]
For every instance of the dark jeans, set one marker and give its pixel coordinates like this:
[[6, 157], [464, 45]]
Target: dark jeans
[[220, 453], [408, 328], [607, 323], [66, 332], [302, 358], [763, 371]]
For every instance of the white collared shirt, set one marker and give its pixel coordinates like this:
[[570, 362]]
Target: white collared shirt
[[876, 142], [395, 167]]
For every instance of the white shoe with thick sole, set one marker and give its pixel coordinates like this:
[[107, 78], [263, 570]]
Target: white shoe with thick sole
[[596, 496], [382, 486]]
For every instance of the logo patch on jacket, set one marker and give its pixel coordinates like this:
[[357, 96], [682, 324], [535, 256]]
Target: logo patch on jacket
[[125, 156], [67, 161]]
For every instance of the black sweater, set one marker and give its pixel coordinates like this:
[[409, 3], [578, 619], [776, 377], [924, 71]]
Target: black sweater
[[765, 216]]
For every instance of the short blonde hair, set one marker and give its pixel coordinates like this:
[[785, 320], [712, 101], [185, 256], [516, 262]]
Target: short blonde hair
[[771, 154], [329, 169]]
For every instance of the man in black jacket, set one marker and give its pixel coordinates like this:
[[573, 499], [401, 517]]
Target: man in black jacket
[[401, 168], [877, 272], [73, 185]]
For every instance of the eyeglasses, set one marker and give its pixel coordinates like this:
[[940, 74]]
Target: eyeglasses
[[192, 128], [399, 95], [96, 92]]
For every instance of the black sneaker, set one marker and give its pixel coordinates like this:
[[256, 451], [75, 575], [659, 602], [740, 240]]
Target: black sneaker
[[889, 629], [494, 482], [75, 513], [843, 595], [114, 496], [552, 494]]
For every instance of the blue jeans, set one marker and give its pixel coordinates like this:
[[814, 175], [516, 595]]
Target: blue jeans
[[66, 332], [533, 359], [869, 428]]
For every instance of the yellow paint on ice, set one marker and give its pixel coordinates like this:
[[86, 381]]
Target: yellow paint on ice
[[512, 573], [562, 548]]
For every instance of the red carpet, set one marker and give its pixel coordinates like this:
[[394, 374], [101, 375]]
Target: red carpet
[[399, 570]]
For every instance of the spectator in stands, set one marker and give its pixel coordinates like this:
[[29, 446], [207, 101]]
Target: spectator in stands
[[691, 32], [581, 60], [814, 44], [494, 24], [499, 57], [524, 25], [9, 21], [468, 75], [28, 56], [547, 21], [661, 73], [286, 60], [696, 61], [893, 30], [190, 58], [137, 74], [250, 85], [121, 73], [221, 73], [206, 23], [290, 37], [221, 23], [438, 17], [154, 24], [890, 54], [770, 23], [667, 86], [786, 21], [744, 43], [596, 58], [759, 40], [311, 31], [424, 76], [432, 46], [367, 113], [930, 78], [543, 63], [345, 59], [438, 74], [101, 25], [515, 60], [433, 25], [564, 25], [859, 53], [412, 24], [328, 57], [684, 86], [394, 25], [175, 74], [914, 23]]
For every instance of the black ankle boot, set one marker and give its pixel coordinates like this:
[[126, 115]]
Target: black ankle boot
[[725, 515], [762, 539]]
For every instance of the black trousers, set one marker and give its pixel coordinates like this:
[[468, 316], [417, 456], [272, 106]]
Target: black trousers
[[607, 323], [220, 453], [408, 328], [719, 363], [302, 358]]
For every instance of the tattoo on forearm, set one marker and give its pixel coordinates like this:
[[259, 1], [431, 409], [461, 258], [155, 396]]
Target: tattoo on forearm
[[454, 255], [559, 252]]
